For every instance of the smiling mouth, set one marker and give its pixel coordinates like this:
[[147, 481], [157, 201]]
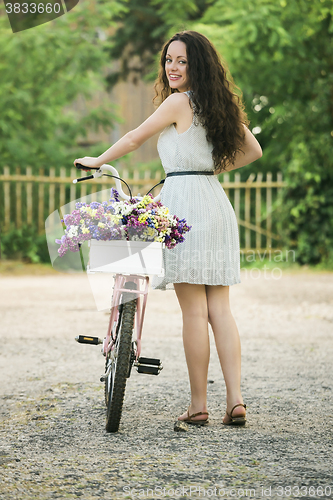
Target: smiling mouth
[[174, 77]]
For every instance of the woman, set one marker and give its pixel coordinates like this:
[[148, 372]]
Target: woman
[[204, 132]]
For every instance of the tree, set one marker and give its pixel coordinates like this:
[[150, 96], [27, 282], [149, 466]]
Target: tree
[[142, 28], [43, 70], [281, 54]]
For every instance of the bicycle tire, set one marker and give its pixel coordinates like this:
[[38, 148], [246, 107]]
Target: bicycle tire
[[121, 359], [108, 361]]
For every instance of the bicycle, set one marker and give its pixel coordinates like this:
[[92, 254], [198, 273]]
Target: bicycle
[[128, 307]]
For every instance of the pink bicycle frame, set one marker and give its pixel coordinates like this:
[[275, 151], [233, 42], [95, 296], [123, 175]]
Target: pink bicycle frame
[[142, 284]]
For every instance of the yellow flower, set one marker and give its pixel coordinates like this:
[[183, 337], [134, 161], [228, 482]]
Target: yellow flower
[[115, 218], [163, 211], [142, 218], [150, 231]]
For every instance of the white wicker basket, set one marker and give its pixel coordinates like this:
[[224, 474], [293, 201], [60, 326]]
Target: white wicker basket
[[126, 257]]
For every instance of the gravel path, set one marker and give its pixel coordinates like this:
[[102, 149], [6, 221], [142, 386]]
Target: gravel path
[[53, 442]]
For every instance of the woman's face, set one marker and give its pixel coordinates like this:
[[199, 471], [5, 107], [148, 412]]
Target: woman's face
[[176, 66]]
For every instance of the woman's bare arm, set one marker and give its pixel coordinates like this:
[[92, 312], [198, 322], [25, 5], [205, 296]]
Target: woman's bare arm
[[167, 113], [251, 151]]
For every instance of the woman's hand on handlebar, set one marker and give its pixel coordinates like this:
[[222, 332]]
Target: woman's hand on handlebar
[[88, 161]]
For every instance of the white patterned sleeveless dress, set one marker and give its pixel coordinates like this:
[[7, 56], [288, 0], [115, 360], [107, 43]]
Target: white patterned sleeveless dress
[[210, 253]]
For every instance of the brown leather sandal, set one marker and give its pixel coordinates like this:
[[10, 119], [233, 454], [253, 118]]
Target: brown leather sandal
[[236, 420], [189, 419]]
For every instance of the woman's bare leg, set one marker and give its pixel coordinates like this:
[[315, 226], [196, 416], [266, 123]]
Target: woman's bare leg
[[193, 303], [227, 343]]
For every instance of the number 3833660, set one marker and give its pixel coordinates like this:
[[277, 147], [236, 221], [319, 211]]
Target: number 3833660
[[33, 8]]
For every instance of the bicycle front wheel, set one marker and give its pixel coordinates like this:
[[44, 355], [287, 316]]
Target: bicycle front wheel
[[118, 362]]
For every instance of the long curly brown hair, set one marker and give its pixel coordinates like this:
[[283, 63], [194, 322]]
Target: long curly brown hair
[[218, 107]]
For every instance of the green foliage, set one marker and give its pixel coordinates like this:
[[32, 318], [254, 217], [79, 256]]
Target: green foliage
[[24, 244], [43, 70], [281, 55], [143, 27]]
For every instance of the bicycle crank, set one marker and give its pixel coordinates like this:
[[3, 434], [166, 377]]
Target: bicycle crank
[[151, 366]]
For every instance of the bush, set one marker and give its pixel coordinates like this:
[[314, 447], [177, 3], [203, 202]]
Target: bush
[[24, 244]]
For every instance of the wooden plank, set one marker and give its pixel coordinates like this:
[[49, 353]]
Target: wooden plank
[[29, 197], [136, 185], [62, 191], [237, 196], [52, 192], [67, 180], [158, 175], [258, 251], [6, 192], [83, 189], [148, 183], [259, 229], [258, 208], [247, 214], [143, 184], [226, 181], [18, 200], [41, 204], [280, 183], [93, 192], [73, 186], [269, 209]]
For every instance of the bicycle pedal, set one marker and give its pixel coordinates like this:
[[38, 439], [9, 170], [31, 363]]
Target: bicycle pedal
[[150, 366], [83, 339], [149, 361]]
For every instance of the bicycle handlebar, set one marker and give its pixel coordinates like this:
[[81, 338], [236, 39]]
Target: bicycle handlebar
[[109, 168], [75, 181]]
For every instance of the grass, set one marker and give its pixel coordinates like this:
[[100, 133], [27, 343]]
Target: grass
[[20, 268], [290, 267]]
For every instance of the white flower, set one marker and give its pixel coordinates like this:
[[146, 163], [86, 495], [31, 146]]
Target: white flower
[[73, 231]]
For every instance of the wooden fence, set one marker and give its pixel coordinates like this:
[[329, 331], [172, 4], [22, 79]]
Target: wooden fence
[[29, 199]]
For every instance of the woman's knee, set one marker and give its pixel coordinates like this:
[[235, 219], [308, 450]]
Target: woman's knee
[[218, 305], [192, 300]]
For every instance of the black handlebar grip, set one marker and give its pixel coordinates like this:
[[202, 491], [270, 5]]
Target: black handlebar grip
[[84, 178], [83, 167]]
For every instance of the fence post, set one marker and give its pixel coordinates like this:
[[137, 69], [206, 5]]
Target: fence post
[[51, 192], [269, 208], [247, 210], [6, 189], [29, 197], [258, 210], [135, 182], [41, 203], [18, 196], [237, 196], [226, 180], [62, 189], [72, 190]]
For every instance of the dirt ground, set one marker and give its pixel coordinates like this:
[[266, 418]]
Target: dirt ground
[[53, 438]]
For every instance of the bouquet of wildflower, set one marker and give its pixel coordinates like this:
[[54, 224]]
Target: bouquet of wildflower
[[139, 220]]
